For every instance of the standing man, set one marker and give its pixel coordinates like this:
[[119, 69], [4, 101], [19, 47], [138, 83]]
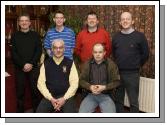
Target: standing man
[[89, 36], [60, 32], [26, 52], [130, 50], [58, 81], [99, 76]]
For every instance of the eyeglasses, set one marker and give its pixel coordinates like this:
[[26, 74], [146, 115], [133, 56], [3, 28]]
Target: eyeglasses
[[61, 47], [59, 18]]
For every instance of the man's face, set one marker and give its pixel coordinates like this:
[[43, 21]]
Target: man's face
[[98, 53], [59, 19], [126, 20], [58, 49], [24, 22], [92, 21]]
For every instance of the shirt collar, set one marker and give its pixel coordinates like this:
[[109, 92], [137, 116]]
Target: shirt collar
[[58, 60], [129, 31], [60, 31], [92, 32], [93, 61]]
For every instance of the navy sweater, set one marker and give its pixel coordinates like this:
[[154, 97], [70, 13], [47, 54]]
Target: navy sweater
[[130, 50], [57, 76]]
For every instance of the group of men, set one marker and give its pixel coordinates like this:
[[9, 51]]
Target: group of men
[[58, 78]]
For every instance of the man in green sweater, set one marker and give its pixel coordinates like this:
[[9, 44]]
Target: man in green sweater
[[99, 76]]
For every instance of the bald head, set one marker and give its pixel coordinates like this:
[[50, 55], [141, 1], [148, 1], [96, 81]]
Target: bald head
[[99, 45], [99, 52], [126, 14]]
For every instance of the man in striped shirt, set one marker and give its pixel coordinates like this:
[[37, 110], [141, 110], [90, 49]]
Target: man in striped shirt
[[60, 32]]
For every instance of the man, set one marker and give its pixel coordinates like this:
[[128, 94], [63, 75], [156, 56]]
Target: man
[[99, 76], [89, 36], [130, 50], [58, 81], [26, 52], [60, 31]]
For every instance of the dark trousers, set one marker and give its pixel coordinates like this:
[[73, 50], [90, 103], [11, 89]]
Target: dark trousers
[[21, 79], [130, 83], [46, 106]]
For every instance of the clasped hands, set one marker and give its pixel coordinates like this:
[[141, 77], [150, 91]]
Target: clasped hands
[[58, 103], [97, 89], [27, 67]]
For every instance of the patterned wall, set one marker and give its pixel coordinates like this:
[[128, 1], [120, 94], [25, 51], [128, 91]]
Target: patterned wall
[[143, 15]]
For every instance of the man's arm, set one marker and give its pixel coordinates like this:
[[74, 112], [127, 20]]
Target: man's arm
[[42, 85], [38, 50], [73, 81], [16, 58], [115, 77], [84, 77], [108, 44], [47, 44], [77, 49], [144, 50]]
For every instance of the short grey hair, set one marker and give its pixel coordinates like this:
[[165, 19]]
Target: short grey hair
[[57, 40]]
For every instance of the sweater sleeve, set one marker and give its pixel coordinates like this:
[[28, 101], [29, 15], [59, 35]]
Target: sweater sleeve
[[78, 45], [144, 50], [41, 84], [16, 58], [73, 81], [108, 44], [84, 77], [47, 44], [38, 49], [115, 77]]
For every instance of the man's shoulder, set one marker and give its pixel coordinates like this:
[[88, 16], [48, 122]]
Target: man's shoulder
[[34, 32], [101, 29], [51, 30], [116, 34], [139, 33], [68, 29], [110, 61], [68, 59], [83, 31]]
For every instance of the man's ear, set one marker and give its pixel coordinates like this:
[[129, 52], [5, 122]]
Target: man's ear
[[133, 21], [54, 19], [105, 53], [119, 22], [64, 19], [97, 21]]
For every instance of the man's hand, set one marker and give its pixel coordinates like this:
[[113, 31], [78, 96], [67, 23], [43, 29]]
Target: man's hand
[[54, 102], [100, 88], [93, 89], [97, 89], [60, 102], [27, 67]]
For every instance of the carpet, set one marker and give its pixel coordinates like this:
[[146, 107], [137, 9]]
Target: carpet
[[10, 92]]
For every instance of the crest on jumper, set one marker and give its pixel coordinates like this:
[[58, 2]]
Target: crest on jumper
[[64, 69]]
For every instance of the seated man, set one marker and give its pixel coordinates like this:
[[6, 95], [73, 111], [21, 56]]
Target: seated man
[[58, 82], [99, 76]]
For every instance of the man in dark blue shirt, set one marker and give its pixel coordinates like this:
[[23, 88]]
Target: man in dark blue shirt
[[130, 51]]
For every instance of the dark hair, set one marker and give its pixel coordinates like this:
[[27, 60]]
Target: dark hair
[[24, 14], [58, 11], [92, 13]]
